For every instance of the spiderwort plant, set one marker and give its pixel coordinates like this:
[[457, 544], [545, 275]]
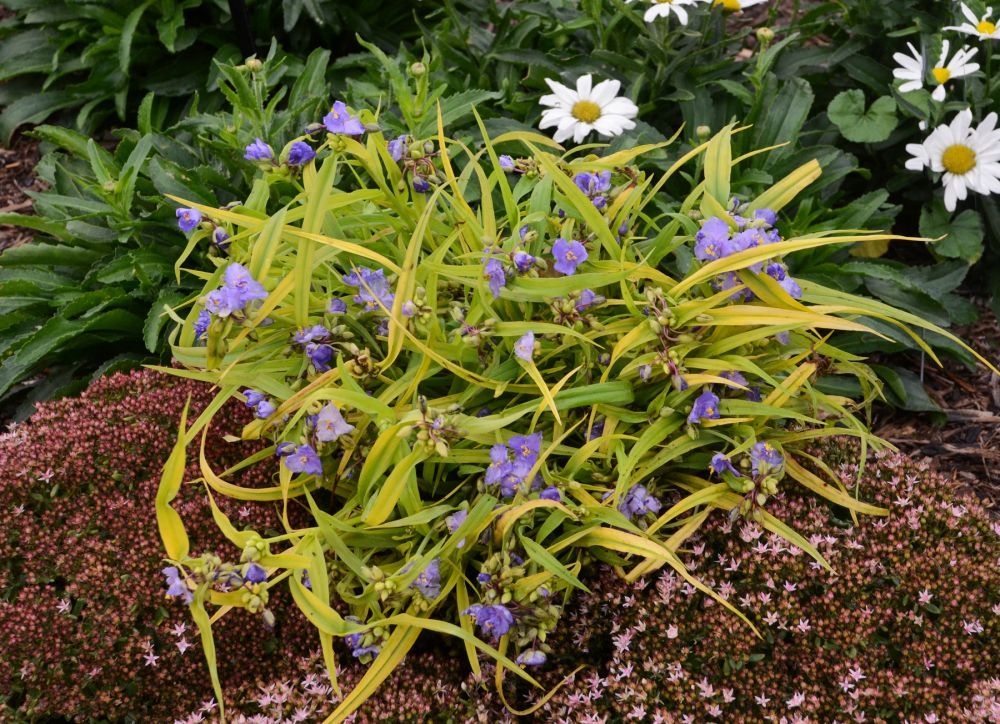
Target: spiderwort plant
[[466, 426]]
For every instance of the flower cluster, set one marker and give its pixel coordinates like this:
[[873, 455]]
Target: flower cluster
[[903, 628], [85, 627], [966, 156], [719, 238], [511, 463]]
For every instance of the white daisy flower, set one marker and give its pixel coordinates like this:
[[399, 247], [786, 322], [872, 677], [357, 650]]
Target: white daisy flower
[[911, 69], [968, 157], [983, 28], [575, 113], [733, 6], [663, 8]]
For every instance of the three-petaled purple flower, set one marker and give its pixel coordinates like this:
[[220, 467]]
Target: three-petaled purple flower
[[428, 581], [320, 356], [255, 574], [201, 323], [494, 620], [495, 276], [300, 154], [523, 261], [524, 348], [339, 120], [638, 501], [258, 151], [220, 237], [303, 460], [721, 464], [188, 219], [706, 407], [712, 240], [779, 272], [373, 288], [764, 457], [588, 299], [238, 289], [569, 255], [595, 186], [398, 148], [531, 657], [259, 403], [506, 163], [551, 493], [734, 376], [336, 306], [176, 585], [330, 424]]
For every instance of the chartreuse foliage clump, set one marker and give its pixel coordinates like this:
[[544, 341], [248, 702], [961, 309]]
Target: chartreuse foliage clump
[[482, 371]]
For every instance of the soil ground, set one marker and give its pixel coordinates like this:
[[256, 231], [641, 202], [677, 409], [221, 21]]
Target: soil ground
[[17, 164]]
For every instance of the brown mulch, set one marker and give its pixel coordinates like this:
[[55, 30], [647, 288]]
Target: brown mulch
[[967, 446], [17, 165]]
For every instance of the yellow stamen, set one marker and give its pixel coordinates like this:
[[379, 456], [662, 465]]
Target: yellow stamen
[[586, 111], [729, 6], [958, 159], [941, 75], [986, 27]]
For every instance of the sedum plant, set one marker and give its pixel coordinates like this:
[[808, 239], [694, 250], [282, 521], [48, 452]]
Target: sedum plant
[[481, 372]]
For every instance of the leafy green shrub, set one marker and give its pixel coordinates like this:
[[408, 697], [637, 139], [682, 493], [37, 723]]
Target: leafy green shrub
[[478, 386], [829, 70], [91, 292], [102, 56]]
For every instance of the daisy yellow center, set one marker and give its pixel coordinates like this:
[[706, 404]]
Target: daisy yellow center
[[986, 27], [730, 6], [941, 75], [586, 111], [958, 159]]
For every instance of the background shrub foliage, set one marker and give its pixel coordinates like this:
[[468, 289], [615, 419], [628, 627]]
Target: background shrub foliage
[[471, 414]]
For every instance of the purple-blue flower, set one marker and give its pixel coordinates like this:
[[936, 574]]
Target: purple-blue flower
[[524, 348], [320, 356], [531, 657], [721, 464], [188, 219], [595, 186], [315, 333], [637, 502], [706, 407], [201, 323], [753, 394], [176, 585], [494, 620], [551, 493], [373, 288], [284, 448], [339, 120], [523, 261], [421, 185], [506, 163], [330, 424], [712, 240], [336, 306], [397, 148], [428, 581], [526, 449], [569, 255], [494, 273], [734, 376], [764, 456], [304, 460], [220, 237], [766, 215], [258, 151], [255, 574], [237, 290], [300, 154], [484, 578], [645, 372], [588, 299], [453, 521]]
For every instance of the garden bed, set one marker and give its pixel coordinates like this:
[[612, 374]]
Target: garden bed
[[17, 165]]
